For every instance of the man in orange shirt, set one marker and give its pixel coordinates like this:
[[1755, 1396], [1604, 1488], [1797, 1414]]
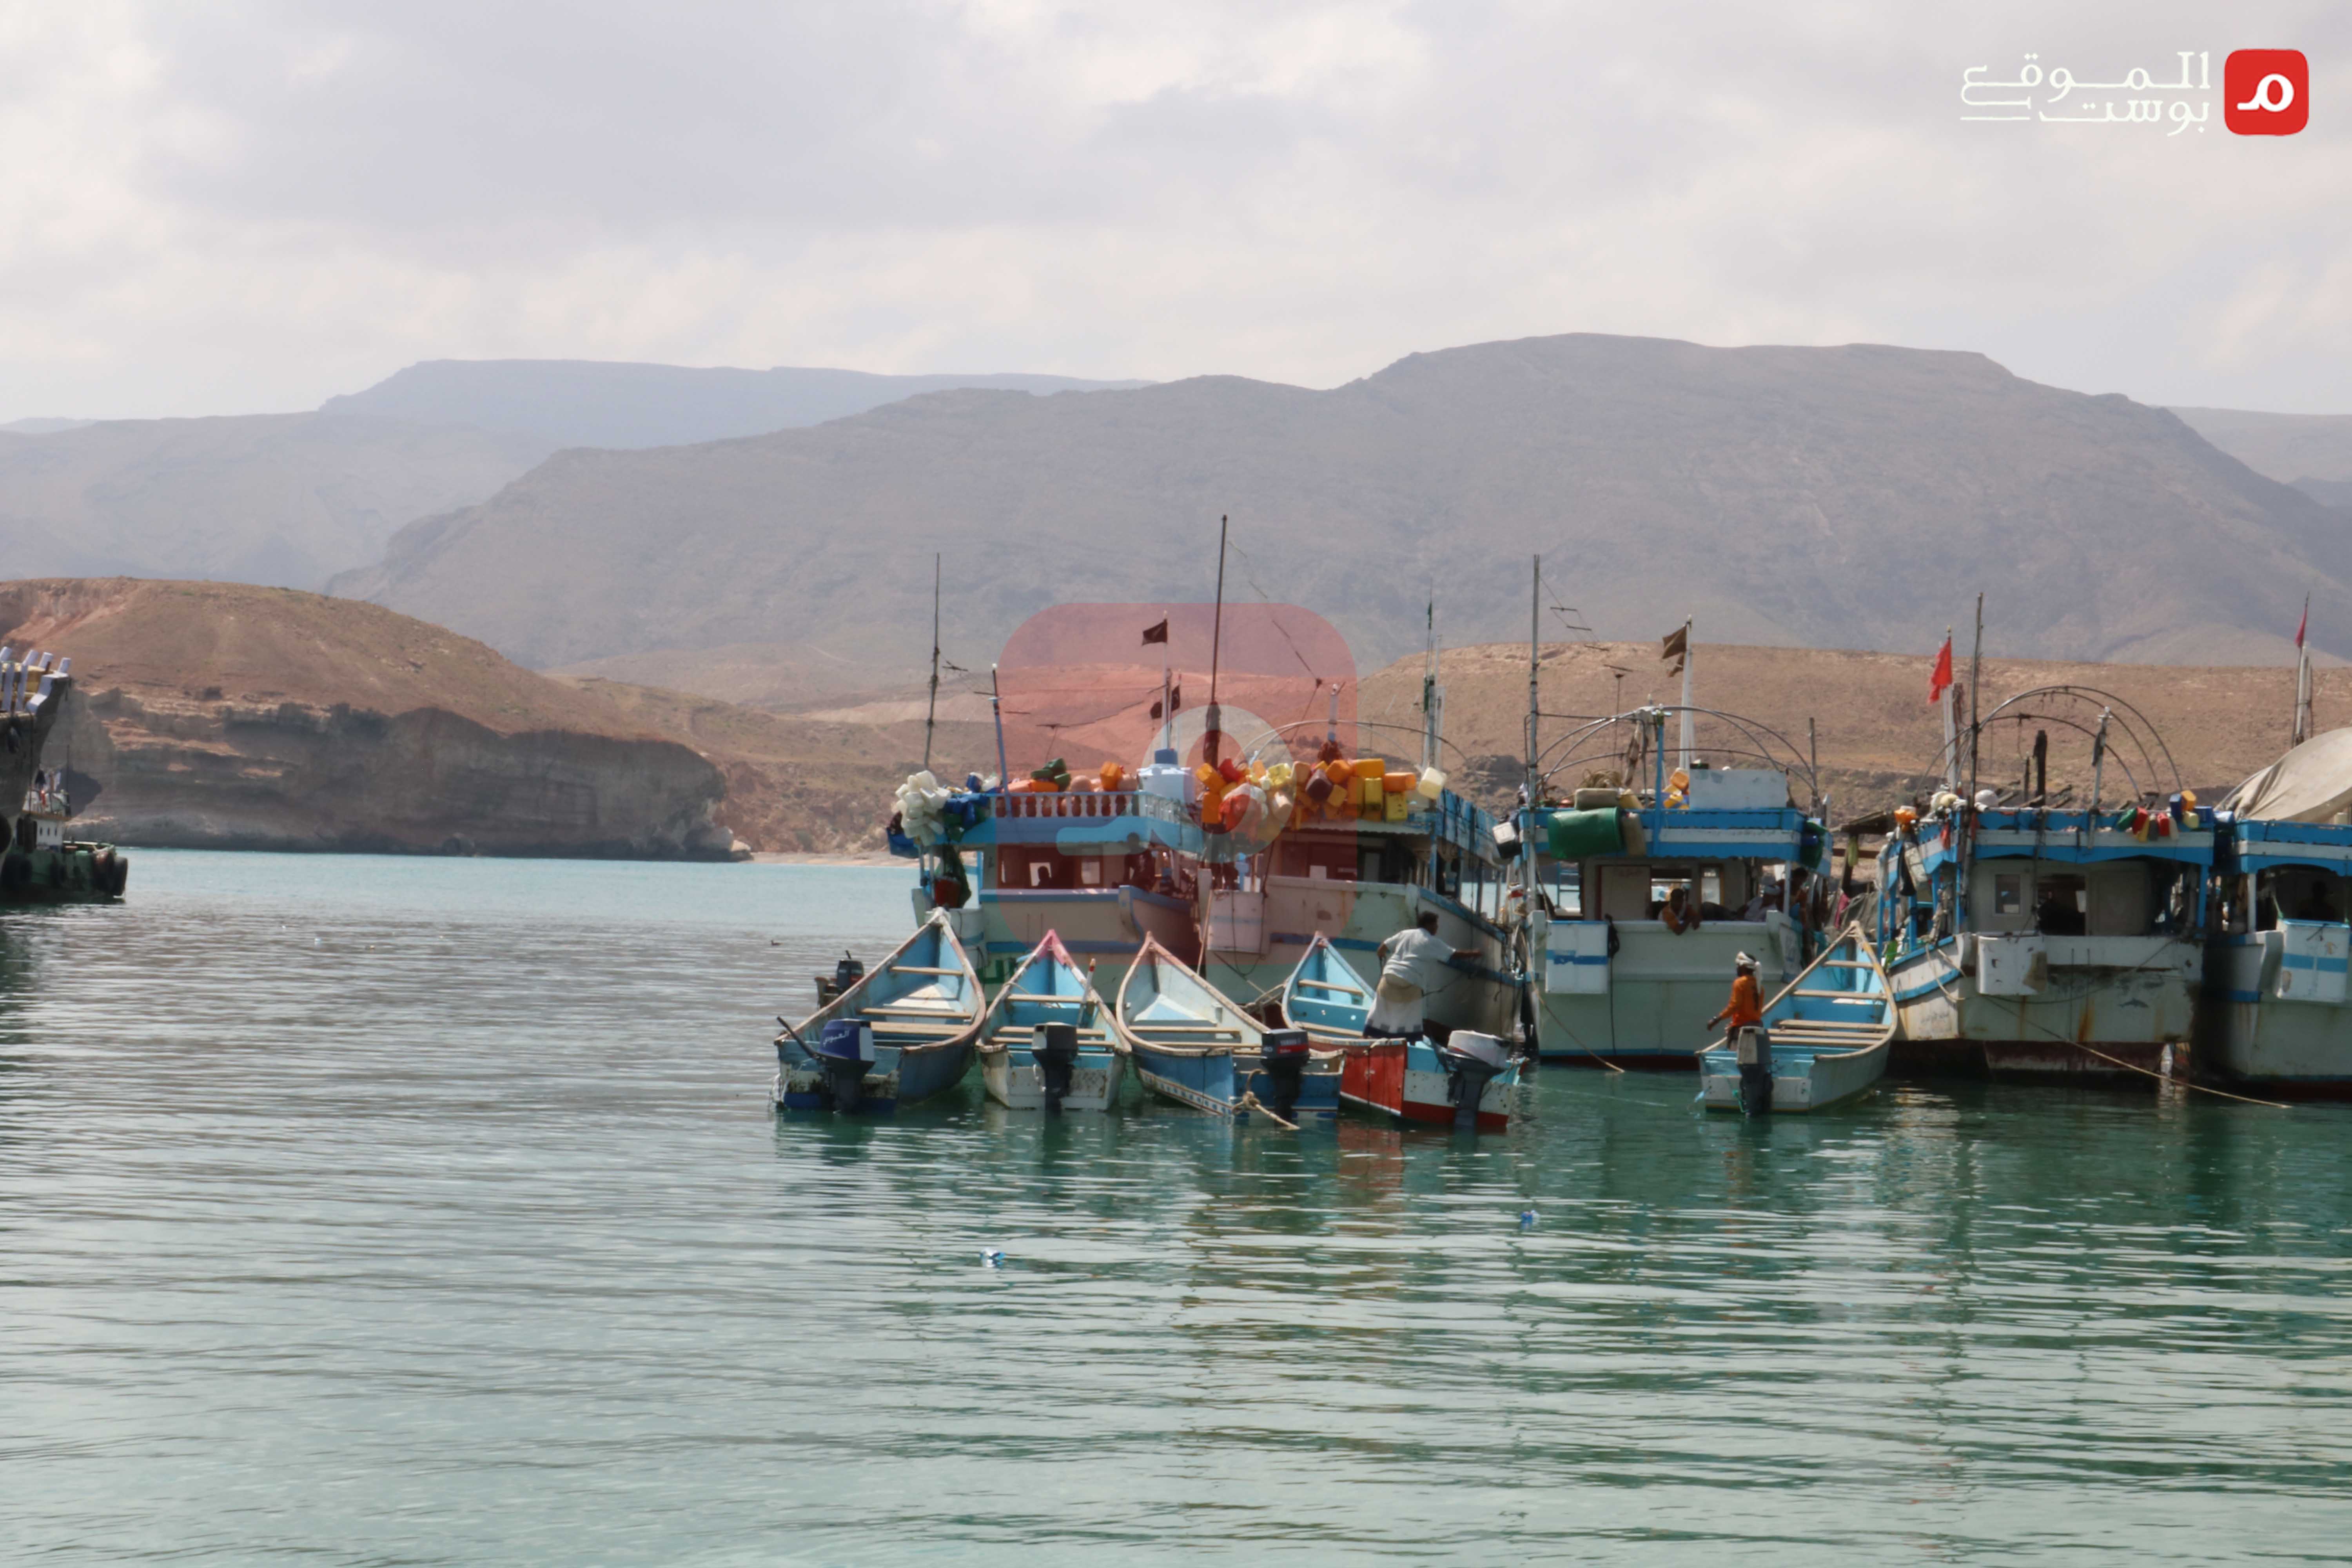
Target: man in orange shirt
[[1746, 1006]]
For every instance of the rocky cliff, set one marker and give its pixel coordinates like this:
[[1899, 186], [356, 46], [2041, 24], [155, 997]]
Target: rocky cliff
[[216, 715]]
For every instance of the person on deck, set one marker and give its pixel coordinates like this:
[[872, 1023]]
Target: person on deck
[[1747, 1005], [1411, 965], [1680, 914]]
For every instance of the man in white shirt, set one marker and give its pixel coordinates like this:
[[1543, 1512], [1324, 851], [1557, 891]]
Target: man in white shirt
[[1413, 964]]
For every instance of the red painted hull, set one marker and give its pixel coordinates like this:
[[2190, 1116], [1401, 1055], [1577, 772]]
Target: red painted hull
[[1374, 1076]]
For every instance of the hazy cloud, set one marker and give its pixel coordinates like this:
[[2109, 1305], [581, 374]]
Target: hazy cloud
[[249, 205]]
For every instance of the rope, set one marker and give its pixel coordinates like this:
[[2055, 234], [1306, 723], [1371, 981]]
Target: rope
[[2183, 1083], [1250, 1102]]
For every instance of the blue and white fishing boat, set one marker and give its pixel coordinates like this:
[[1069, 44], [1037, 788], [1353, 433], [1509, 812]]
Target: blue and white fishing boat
[[2277, 1014], [2036, 941], [1044, 1043], [902, 1033], [1647, 888], [1192, 1044], [1825, 1038], [1470, 1080]]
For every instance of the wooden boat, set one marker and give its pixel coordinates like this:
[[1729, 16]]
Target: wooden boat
[[1825, 1037], [1411, 1081], [899, 1034], [1046, 989], [1193, 1045]]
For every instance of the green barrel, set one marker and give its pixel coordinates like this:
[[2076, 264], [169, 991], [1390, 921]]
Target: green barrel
[[1574, 835]]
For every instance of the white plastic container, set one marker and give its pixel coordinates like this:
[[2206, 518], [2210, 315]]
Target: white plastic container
[[1431, 784], [1162, 776]]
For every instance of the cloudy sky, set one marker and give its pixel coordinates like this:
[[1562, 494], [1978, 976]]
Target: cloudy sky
[[241, 207]]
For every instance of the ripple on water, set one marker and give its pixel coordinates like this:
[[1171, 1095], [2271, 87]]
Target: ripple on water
[[430, 1211]]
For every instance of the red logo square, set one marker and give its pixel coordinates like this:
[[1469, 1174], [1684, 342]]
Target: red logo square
[[2266, 93]]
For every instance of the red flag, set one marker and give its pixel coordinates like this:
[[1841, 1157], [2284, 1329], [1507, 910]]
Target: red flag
[[2304, 625], [1941, 676]]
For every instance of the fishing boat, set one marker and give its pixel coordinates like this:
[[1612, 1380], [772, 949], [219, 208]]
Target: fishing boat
[[2277, 1015], [1192, 1044], [2025, 936], [1044, 1043], [1366, 847], [1825, 1038], [900, 1034], [1643, 889], [1468, 1080]]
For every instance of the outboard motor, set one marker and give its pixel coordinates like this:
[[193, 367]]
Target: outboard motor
[[1284, 1058], [1472, 1060], [1754, 1051], [1055, 1050], [847, 971], [845, 1051]]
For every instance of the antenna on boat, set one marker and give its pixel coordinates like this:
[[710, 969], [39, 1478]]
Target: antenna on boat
[[1528, 808], [2302, 679], [932, 714], [1216, 641], [1686, 695], [1433, 696], [996, 707], [1976, 675]]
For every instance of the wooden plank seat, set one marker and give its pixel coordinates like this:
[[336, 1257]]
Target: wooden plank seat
[[913, 1009], [918, 969], [1330, 986], [919, 1031]]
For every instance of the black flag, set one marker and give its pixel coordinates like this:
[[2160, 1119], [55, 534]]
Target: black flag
[[1175, 701], [1676, 647], [1157, 633]]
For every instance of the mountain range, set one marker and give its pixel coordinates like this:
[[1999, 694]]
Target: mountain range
[[288, 499], [1853, 497]]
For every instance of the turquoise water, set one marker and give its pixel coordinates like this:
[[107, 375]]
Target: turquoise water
[[386, 1211]]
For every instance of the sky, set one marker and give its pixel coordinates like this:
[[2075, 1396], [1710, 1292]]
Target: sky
[[249, 206]]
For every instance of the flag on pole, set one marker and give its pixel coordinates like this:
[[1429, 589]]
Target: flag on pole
[[2304, 625], [1157, 633], [1675, 646], [1941, 676]]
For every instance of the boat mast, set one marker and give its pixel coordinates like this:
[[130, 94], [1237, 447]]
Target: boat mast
[[2302, 678], [1216, 641], [1686, 695], [932, 714], [1433, 697], [996, 707], [1527, 812]]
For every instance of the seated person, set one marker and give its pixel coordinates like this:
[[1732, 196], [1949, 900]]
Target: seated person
[[1680, 914]]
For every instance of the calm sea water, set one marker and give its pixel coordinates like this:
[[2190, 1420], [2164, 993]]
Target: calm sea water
[[386, 1211]]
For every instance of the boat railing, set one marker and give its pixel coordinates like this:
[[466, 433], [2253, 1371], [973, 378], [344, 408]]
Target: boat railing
[[1085, 802]]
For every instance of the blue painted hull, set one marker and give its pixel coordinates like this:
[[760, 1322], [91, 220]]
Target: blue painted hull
[[914, 1078], [1217, 1083]]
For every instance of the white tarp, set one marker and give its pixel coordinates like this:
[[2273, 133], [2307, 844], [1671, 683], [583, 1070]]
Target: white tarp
[[2310, 784]]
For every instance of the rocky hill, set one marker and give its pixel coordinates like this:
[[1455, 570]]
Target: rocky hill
[[1845, 497], [223, 716], [278, 499], [593, 403]]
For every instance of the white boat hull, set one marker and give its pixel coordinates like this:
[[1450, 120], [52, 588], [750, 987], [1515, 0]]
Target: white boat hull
[[1015, 1084], [2111, 1004]]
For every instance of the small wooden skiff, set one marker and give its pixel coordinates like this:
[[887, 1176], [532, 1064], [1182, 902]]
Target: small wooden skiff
[[1825, 1038], [1084, 1072], [1411, 1081], [897, 1035], [1193, 1045]]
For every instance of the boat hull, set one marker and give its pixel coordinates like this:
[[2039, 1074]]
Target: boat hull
[[899, 1078], [2256, 1038], [1656, 993], [1218, 1084], [1817, 1084], [2111, 1005], [1012, 1079], [1404, 1080]]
